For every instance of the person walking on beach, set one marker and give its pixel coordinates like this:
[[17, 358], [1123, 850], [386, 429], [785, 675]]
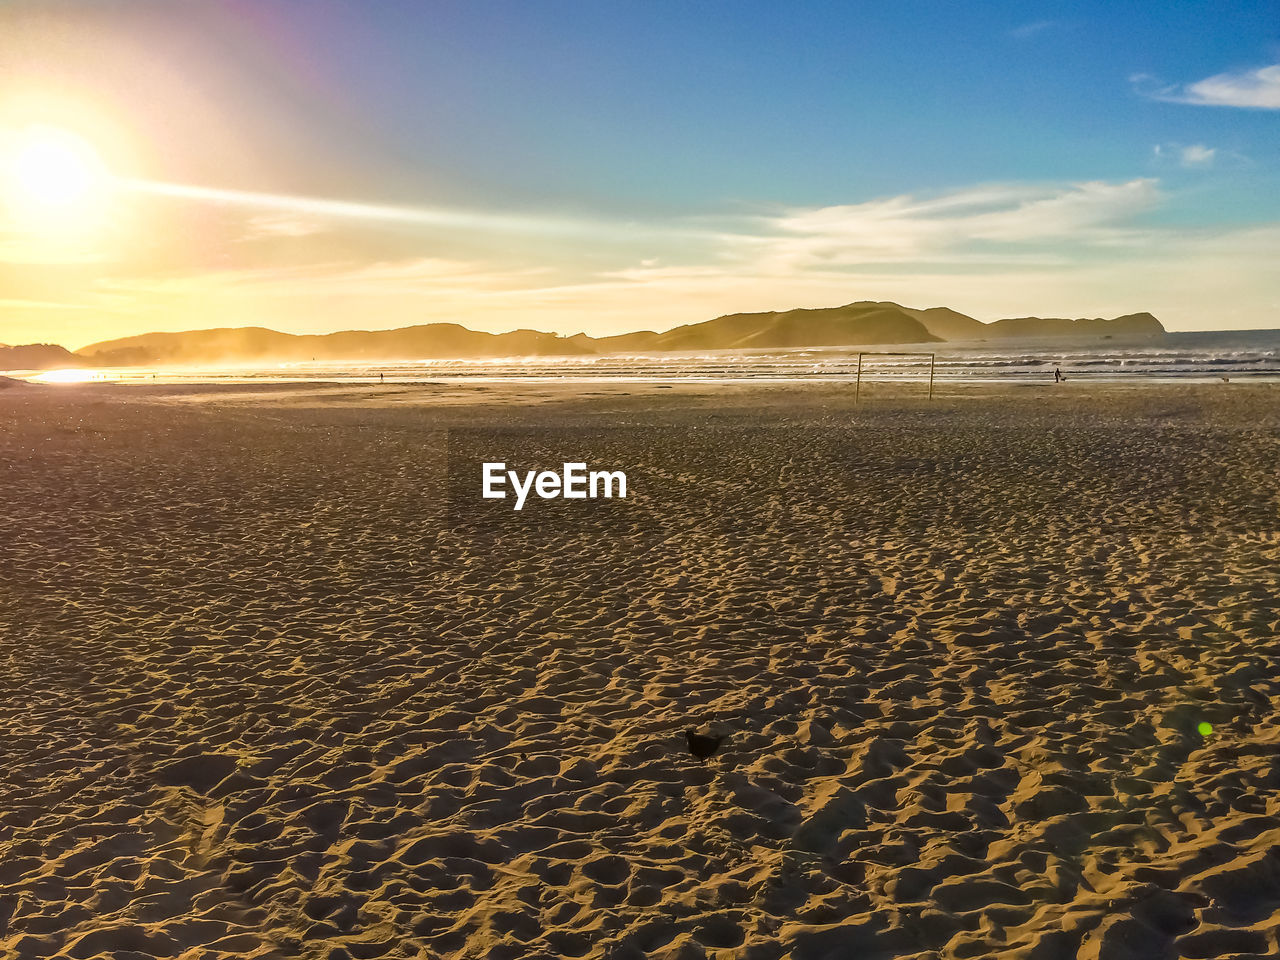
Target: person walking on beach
[[1057, 375]]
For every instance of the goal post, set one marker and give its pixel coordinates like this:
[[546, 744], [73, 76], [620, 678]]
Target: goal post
[[857, 390]]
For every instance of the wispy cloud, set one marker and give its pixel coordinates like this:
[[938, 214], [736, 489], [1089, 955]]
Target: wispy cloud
[[275, 225], [1028, 30], [409, 277], [1198, 155], [991, 228], [993, 223], [301, 209], [1195, 156], [1178, 274], [1080, 249], [1254, 89], [997, 249]]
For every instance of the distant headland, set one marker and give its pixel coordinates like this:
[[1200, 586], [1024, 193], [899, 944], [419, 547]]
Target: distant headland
[[854, 324]]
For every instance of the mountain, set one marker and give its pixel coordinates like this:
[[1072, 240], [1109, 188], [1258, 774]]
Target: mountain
[[1129, 326], [948, 324], [37, 356], [854, 323], [865, 323], [258, 344]]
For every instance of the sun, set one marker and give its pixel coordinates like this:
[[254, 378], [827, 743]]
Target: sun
[[54, 181]]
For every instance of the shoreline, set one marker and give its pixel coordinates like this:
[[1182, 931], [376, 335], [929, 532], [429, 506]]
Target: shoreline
[[429, 390]]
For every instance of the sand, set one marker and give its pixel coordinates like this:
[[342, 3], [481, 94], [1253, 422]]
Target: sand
[[271, 689]]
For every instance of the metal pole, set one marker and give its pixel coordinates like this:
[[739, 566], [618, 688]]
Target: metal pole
[[931, 356], [857, 391]]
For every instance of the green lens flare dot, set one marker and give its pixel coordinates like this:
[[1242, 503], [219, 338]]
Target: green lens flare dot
[[1204, 728]]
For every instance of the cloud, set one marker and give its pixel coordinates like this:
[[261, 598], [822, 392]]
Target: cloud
[[995, 250], [1028, 30], [1254, 89], [1197, 155], [382, 279], [292, 209], [990, 250], [1004, 223], [1177, 273], [278, 225]]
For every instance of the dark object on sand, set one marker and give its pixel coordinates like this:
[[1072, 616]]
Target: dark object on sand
[[703, 745]]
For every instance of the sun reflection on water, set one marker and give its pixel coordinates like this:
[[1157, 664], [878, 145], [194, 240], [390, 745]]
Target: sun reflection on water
[[69, 375]]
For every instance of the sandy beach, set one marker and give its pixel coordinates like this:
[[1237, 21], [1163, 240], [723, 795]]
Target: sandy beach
[[995, 674]]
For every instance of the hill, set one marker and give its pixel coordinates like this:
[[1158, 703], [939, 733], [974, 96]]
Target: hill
[[258, 344], [37, 356], [857, 323], [948, 324], [854, 323], [1129, 326], [865, 323]]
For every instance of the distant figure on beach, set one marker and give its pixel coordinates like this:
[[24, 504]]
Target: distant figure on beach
[[381, 377], [1057, 375]]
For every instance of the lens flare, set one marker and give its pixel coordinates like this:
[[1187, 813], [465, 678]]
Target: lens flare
[[52, 181]]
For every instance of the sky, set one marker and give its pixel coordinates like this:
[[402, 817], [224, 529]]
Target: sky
[[609, 165]]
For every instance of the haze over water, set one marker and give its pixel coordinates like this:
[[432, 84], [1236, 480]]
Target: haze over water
[[1208, 355]]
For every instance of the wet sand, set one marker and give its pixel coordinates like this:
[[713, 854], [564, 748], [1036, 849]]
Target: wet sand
[[996, 674]]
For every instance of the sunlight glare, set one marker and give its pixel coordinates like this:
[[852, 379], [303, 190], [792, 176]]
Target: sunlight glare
[[54, 181], [67, 375]]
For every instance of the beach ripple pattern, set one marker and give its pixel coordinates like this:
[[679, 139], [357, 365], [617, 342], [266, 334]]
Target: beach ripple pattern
[[266, 692]]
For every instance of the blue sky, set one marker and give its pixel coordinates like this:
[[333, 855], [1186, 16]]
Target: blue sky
[[686, 104], [581, 164]]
